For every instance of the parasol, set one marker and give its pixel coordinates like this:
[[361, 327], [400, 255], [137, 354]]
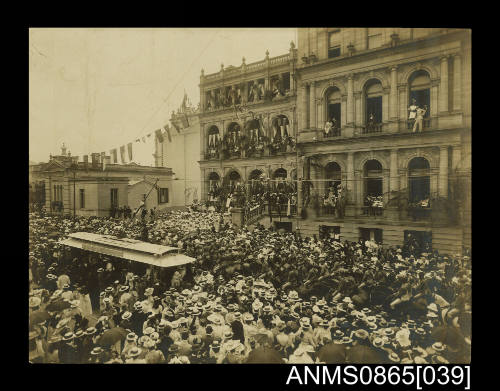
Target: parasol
[[39, 317], [112, 336], [450, 336], [57, 306]]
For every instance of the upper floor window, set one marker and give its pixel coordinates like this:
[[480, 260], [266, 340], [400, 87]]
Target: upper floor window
[[374, 37], [334, 43], [213, 137], [114, 198], [82, 198], [420, 93], [280, 127], [163, 195], [373, 100]]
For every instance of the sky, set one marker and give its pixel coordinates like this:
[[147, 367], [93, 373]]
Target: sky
[[98, 89]]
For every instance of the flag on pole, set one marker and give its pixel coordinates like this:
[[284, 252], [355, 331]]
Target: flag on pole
[[122, 153], [159, 136], [167, 129], [129, 146], [114, 153]]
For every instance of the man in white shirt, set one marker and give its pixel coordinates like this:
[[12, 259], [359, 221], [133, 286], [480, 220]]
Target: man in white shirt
[[419, 120]]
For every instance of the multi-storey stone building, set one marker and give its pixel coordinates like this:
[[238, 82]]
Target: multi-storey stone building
[[248, 122], [178, 149], [371, 81]]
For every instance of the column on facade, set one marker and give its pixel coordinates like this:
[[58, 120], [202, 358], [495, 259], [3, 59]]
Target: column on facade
[[393, 98], [434, 97], [456, 157], [312, 105], [350, 100], [443, 88], [393, 172], [202, 141], [457, 82], [300, 177], [320, 113], [385, 104], [343, 111], [303, 108], [358, 99], [350, 177], [443, 172], [403, 102]]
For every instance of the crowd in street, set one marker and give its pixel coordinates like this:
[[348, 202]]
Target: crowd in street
[[252, 295]]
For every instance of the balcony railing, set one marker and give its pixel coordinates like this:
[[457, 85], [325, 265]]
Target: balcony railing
[[375, 128], [335, 132], [426, 123], [372, 211], [417, 213]]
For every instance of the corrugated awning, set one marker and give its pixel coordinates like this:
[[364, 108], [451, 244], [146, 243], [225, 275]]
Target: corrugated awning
[[134, 250]]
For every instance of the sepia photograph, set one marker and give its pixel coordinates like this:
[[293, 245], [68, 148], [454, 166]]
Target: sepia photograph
[[250, 196]]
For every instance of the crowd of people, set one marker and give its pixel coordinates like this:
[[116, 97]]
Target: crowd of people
[[252, 295]]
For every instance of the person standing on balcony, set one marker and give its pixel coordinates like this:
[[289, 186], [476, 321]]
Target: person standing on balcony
[[413, 111], [419, 120], [328, 128]]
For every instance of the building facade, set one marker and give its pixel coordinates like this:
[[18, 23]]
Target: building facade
[[94, 188], [248, 122], [178, 149], [374, 84]]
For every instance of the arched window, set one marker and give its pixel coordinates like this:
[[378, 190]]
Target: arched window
[[372, 174], [253, 130], [333, 102], [234, 179], [333, 175], [373, 104], [419, 181], [234, 131], [281, 127], [420, 91], [213, 184], [255, 175], [213, 136]]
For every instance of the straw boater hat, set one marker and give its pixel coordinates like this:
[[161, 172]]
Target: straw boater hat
[[438, 346], [131, 337], [134, 352], [378, 342], [388, 331], [394, 357], [126, 315], [68, 336], [96, 351]]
